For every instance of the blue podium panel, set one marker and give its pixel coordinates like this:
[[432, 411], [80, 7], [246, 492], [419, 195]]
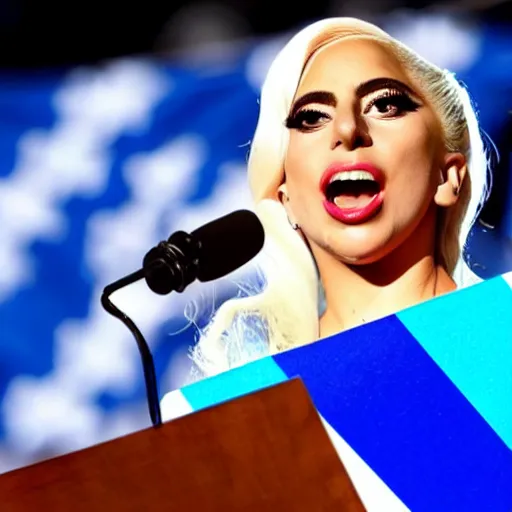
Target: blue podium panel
[[423, 398], [469, 335]]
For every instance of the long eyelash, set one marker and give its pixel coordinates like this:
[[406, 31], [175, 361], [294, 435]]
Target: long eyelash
[[408, 102], [294, 121]]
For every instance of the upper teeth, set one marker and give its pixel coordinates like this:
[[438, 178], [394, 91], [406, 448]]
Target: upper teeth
[[352, 175]]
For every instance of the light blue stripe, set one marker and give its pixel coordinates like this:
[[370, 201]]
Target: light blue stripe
[[474, 353], [234, 383]]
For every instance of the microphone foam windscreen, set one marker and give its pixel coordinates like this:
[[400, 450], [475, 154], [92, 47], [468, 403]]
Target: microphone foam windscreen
[[228, 243]]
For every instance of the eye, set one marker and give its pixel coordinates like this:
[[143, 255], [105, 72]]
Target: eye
[[307, 120], [391, 103]]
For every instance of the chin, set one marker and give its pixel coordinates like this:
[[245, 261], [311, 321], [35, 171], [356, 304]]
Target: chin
[[356, 245], [361, 255], [360, 259]]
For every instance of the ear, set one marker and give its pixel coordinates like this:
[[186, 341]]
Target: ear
[[452, 177], [282, 194], [284, 198]]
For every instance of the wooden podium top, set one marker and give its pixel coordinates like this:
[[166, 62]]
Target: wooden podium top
[[265, 451]]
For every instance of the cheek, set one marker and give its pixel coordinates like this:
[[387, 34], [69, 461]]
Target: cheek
[[303, 171], [415, 153], [302, 166]]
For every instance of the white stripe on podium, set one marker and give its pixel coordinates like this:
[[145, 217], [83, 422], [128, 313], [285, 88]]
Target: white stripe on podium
[[174, 405], [374, 493], [508, 278]]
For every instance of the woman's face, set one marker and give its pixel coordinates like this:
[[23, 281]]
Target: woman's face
[[365, 155]]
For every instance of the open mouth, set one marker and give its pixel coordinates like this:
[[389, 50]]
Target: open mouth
[[352, 190]]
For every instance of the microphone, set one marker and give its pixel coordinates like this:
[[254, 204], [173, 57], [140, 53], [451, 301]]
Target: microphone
[[210, 252]]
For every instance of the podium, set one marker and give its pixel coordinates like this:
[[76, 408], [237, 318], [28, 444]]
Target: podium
[[418, 404], [409, 413], [264, 451]]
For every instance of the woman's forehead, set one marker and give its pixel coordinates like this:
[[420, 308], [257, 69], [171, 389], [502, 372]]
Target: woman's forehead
[[350, 61]]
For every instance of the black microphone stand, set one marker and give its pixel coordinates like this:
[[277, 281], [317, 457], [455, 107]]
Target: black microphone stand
[[148, 364], [170, 266]]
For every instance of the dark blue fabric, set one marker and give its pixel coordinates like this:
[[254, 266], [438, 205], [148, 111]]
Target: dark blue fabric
[[379, 389]]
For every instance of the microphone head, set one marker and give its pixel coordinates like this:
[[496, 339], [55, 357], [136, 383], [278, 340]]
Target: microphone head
[[228, 243]]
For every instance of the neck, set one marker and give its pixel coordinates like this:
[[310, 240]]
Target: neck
[[356, 294]]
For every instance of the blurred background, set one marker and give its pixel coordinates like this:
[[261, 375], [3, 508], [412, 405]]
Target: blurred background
[[121, 123]]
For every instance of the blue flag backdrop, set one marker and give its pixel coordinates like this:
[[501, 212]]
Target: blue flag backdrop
[[99, 164]]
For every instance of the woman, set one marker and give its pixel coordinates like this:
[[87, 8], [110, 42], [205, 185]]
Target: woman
[[368, 171]]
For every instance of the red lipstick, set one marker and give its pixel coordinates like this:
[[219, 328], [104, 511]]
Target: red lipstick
[[353, 215]]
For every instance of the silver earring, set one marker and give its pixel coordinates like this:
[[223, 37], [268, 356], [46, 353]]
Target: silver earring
[[294, 225]]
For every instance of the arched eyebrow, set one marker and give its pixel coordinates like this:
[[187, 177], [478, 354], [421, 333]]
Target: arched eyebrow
[[362, 90], [320, 97], [377, 84]]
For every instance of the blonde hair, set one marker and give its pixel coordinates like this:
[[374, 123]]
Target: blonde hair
[[286, 310]]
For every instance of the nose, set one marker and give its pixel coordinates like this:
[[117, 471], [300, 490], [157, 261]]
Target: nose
[[351, 132]]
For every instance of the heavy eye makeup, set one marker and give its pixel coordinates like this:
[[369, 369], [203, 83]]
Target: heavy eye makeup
[[389, 103], [307, 119], [384, 102]]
